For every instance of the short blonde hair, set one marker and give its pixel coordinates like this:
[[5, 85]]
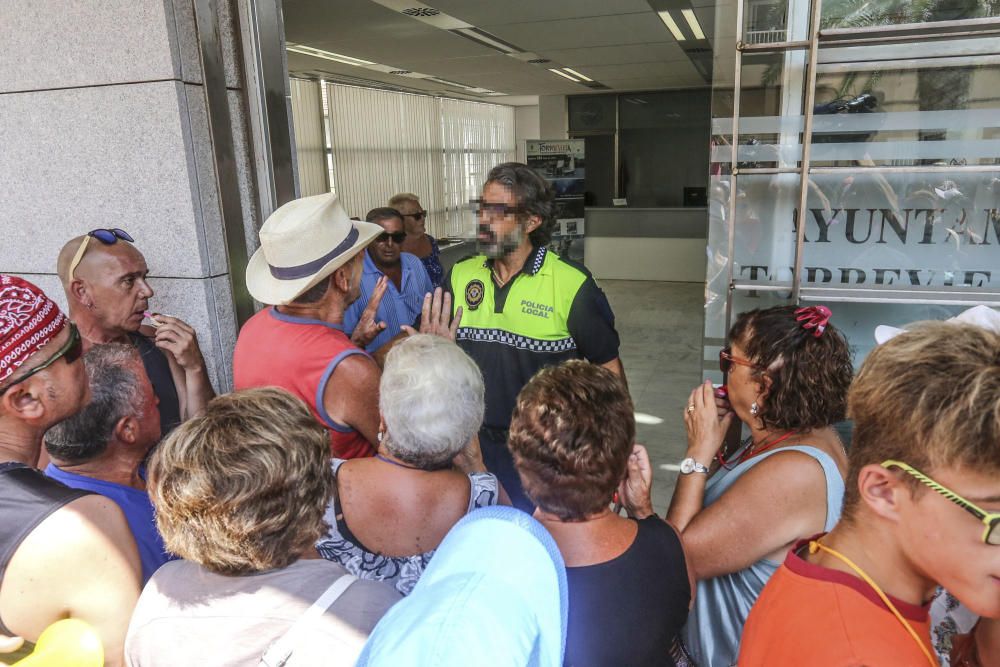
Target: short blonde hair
[[396, 200], [929, 397], [243, 487]]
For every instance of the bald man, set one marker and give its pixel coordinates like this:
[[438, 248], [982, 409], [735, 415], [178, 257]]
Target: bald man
[[104, 277]]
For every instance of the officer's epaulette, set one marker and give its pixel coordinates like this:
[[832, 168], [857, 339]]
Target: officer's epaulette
[[576, 265], [467, 257]]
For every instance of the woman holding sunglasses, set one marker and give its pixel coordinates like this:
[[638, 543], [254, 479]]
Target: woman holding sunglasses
[[418, 242], [739, 511]]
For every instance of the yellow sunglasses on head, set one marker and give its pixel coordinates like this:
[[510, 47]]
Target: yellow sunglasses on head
[[991, 519]]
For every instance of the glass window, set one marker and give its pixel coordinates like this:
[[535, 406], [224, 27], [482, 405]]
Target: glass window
[[853, 14], [588, 113], [893, 113], [903, 230], [663, 142]]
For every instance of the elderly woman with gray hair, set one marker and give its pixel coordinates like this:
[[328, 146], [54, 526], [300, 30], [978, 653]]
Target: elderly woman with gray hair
[[392, 510]]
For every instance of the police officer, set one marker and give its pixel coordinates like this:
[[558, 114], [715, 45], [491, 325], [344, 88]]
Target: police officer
[[523, 306]]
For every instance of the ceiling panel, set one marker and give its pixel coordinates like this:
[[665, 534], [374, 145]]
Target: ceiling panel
[[609, 72], [573, 33], [477, 66], [616, 55], [485, 13], [363, 29], [657, 82], [620, 43]]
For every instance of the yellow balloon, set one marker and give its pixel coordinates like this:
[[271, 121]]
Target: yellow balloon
[[66, 643]]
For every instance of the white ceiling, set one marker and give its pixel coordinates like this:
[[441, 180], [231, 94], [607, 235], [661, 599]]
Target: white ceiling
[[620, 43]]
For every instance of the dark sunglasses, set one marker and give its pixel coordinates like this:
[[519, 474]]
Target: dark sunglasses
[[105, 236], [726, 361], [71, 351], [397, 237], [110, 236], [494, 209], [419, 215]]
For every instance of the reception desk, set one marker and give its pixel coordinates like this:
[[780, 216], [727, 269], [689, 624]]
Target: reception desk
[[666, 244]]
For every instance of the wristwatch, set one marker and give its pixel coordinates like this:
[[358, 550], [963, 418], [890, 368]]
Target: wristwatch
[[689, 465]]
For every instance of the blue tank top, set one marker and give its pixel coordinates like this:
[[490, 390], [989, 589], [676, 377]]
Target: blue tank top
[[136, 507], [722, 604]]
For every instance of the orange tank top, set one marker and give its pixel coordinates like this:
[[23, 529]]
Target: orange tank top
[[812, 615]]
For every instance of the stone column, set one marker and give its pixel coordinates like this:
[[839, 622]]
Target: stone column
[[104, 123]]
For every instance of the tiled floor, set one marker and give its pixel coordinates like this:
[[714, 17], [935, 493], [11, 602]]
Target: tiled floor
[[661, 326]]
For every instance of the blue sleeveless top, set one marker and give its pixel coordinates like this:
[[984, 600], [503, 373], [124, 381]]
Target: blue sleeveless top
[[722, 604]]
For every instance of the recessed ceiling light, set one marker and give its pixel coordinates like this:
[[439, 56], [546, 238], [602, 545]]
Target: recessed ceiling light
[[672, 26], [565, 75], [328, 55], [449, 83], [575, 73], [486, 39], [693, 23]]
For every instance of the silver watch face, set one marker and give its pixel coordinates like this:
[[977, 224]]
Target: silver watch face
[[687, 466]]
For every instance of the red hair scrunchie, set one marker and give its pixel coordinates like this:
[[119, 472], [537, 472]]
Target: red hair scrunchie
[[815, 318]]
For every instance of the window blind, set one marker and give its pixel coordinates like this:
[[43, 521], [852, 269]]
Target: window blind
[[310, 149], [386, 142]]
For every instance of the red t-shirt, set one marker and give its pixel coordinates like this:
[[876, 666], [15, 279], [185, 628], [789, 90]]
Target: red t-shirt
[[300, 356], [812, 615]]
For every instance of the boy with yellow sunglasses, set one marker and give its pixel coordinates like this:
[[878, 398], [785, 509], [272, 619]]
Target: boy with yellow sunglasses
[[921, 510]]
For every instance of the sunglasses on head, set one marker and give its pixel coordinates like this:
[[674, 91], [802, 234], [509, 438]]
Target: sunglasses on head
[[105, 236], [71, 351], [419, 215], [726, 361], [991, 535], [397, 237]]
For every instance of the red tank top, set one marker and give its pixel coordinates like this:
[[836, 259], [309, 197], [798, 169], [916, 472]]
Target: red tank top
[[300, 355]]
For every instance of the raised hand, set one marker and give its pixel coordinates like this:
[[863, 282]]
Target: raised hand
[[179, 339], [635, 491], [706, 424], [470, 459], [435, 316], [368, 328]]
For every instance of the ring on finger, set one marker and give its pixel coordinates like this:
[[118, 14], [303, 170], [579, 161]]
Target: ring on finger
[[690, 408]]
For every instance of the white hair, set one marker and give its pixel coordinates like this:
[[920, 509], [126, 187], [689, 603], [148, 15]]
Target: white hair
[[404, 197], [432, 398]]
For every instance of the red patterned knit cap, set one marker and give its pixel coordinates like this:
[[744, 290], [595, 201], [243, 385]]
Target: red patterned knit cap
[[28, 321]]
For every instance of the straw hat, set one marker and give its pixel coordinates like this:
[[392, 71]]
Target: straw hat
[[302, 243]]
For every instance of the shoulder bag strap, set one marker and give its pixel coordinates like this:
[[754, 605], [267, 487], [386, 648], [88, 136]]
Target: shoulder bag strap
[[280, 651]]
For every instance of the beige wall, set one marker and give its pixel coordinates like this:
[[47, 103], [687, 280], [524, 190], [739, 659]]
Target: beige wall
[[526, 126], [552, 118], [105, 124]]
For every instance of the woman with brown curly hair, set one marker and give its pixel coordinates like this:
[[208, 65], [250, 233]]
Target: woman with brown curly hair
[[788, 373], [240, 494], [571, 437]]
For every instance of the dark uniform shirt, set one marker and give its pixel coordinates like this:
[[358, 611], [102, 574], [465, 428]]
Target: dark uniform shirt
[[550, 311], [158, 369]]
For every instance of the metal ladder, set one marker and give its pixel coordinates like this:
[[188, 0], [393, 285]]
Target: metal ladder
[[817, 38]]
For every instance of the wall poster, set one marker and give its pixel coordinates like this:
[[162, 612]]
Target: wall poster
[[561, 163]]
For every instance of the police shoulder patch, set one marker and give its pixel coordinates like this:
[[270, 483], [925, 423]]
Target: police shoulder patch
[[474, 293]]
